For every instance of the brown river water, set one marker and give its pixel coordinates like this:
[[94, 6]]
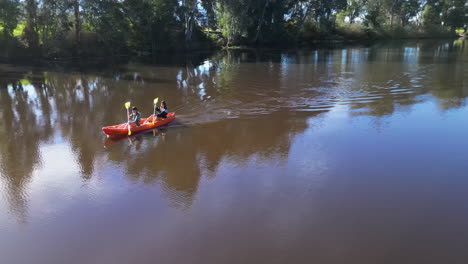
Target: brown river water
[[340, 155]]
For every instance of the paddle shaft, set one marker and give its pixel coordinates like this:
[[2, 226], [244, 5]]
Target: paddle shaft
[[128, 121]]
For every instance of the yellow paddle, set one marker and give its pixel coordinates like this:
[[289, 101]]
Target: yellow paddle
[[155, 102], [127, 105]]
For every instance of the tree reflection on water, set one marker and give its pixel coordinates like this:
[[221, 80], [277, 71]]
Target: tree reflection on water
[[234, 105]]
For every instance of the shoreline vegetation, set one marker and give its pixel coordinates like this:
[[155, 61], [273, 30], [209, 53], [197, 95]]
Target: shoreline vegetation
[[55, 29]]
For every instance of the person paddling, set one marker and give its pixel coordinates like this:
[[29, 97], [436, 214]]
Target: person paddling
[[162, 110], [135, 116]]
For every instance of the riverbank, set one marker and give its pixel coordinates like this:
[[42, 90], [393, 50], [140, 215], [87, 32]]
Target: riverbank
[[352, 34], [12, 50]]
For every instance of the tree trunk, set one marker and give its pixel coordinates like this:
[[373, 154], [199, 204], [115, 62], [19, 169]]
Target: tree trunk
[[260, 20], [76, 9], [189, 21], [301, 22], [32, 36], [189, 31]]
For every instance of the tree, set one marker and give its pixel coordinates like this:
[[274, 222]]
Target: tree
[[9, 15], [54, 24], [209, 8], [189, 9], [62, 27], [374, 14], [354, 9], [76, 12], [431, 14], [261, 19], [31, 30], [107, 19], [455, 13], [232, 19], [408, 10]]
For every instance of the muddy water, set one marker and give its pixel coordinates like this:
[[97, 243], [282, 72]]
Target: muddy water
[[352, 155]]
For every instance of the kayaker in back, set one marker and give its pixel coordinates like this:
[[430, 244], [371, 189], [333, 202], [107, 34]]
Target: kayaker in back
[[162, 110], [135, 116]]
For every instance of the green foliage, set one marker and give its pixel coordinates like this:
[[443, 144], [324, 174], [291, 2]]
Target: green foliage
[[9, 16], [456, 13], [354, 9], [353, 31], [31, 34], [106, 19], [87, 27], [233, 20], [431, 14], [18, 31], [408, 10], [374, 17]]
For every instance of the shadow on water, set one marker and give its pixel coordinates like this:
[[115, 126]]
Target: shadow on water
[[234, 105]]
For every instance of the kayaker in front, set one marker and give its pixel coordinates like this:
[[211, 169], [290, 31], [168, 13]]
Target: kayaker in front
[[135, 116]]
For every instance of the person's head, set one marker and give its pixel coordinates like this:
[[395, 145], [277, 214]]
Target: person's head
[[163, 104], [134, 109]]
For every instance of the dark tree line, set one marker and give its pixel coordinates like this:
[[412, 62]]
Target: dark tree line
[[75, 27]]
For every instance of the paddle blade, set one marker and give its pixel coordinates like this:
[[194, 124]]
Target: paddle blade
[[127, 105], [155, 101]]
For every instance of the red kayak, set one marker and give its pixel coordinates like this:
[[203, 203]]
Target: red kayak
[[145, 124]]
